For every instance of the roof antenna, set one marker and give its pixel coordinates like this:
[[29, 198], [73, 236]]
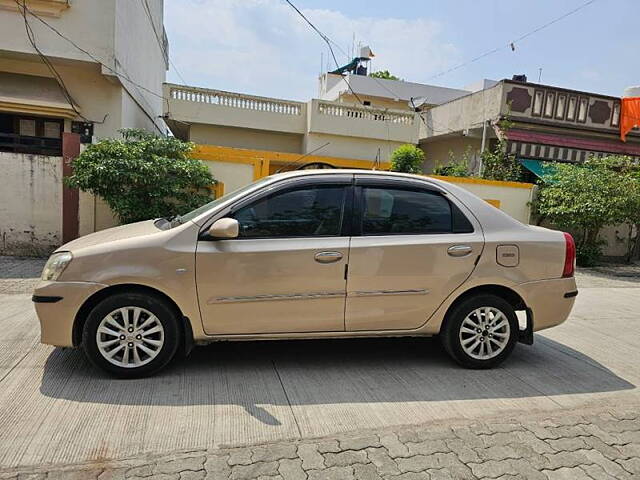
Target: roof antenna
[[293, 162], [376, 163]]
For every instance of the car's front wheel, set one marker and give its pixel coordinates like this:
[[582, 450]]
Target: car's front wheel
[[481, 331], [131, 334]]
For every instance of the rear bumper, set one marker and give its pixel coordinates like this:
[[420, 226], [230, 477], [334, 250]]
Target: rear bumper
[[57, 304], [550, 301]]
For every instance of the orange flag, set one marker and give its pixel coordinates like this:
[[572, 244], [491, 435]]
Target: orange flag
[[629, 115]]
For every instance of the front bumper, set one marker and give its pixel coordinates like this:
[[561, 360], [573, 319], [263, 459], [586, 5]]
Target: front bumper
[[549, 301], [57, 304]]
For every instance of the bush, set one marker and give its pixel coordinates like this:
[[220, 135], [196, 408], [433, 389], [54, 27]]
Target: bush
[[407, 158], [142, 176], [497, 164], [588, 255], [456, 167]]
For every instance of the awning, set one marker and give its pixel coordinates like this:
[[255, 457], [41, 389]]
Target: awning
[[33, 95], [539, 168]]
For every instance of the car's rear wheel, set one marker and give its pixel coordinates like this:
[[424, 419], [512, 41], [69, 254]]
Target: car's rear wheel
[[131, 334], [481, 331]]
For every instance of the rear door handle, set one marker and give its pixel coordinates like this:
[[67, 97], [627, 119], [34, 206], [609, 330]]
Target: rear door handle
[[459, 250], [328, 257]]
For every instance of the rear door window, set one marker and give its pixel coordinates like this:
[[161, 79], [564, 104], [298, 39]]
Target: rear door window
[[396, 211]]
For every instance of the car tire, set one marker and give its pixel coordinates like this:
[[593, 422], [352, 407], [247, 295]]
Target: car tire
[[481, 331], [131, 335]]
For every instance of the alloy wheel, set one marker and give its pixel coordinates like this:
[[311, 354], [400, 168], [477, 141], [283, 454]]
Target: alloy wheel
[[130, 337], [484, 333]]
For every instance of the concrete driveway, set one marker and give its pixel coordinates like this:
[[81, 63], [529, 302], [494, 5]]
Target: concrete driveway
[[55, 408]]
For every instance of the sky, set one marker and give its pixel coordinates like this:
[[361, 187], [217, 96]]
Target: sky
[[262, 47]]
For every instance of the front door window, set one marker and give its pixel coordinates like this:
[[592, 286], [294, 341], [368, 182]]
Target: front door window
[[313, 211]]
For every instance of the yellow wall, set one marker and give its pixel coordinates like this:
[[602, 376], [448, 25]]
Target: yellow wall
[[262, 161], [513, 198]]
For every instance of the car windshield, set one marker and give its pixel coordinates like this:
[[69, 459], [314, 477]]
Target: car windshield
[[218, 201]]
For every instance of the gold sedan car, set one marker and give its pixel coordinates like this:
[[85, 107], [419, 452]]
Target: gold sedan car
[[310, 254]]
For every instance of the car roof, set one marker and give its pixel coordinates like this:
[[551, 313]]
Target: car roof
[[342, 171]]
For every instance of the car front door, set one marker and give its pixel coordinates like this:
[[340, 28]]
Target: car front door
[[412, 246], [285, 273]]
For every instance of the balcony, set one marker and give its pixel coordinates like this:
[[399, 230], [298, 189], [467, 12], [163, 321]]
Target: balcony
[[217, 107], [188, 105], [364, 122]]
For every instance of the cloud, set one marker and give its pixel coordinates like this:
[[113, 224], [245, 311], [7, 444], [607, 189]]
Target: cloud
[[263, 47]]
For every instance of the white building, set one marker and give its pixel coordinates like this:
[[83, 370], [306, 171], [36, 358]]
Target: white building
[[90, 67], [383, 93]]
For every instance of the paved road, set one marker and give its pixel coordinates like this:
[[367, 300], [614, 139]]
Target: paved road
[[56, 409]]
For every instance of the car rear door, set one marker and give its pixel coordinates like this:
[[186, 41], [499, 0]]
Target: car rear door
[[413, 245], [285, 273]]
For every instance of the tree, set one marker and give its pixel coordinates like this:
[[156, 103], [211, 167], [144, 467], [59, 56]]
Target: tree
[[142, 176], [384, 74], [630, 214], [497, 164], [585, 198], [407, 158]]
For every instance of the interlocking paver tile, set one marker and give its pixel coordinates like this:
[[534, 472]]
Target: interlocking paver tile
[[567, 473], [291, 469], [359, 443], [383, 462], [332, 473], [180, 465], [271, 452], [394, 447], [346, 458], [247, 472], [311, 458], [596, 447], [218, 465]]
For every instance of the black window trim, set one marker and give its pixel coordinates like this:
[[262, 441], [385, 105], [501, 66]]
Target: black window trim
[[345, 181], [412, 186]]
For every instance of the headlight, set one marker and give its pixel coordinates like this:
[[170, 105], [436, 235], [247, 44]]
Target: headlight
[[56, 265]]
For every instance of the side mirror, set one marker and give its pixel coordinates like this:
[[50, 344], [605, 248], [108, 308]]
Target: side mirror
[[225, 228]]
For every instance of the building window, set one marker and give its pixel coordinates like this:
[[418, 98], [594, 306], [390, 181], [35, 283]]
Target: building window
[[615, 115], [571, 108], [27, 127], [538, 100], [582, 109], [560, 106], [26, 134], [548, 106], [52, 129]]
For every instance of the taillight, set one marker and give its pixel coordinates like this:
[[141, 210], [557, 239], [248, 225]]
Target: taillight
[[569, 256]]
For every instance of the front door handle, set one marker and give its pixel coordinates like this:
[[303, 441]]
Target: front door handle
[[328, 257], [459, 250]]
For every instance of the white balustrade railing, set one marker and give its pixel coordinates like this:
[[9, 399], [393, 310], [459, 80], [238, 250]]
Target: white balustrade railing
[[364, 113], [235, 100]]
